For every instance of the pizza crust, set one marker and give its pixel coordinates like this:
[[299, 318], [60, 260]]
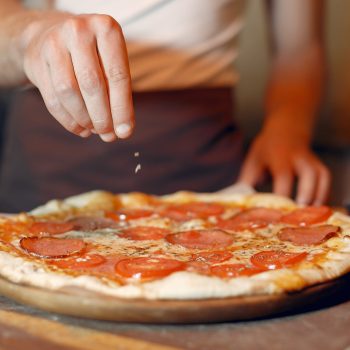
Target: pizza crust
[[86, 202], [102, 200]]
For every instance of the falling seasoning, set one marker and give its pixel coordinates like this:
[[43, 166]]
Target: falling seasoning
[[138, 166]]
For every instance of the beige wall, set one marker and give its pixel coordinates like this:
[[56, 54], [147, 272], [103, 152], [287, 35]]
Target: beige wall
[[253, 64]]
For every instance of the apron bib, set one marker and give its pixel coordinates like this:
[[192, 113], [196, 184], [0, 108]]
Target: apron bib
[[185, 140]]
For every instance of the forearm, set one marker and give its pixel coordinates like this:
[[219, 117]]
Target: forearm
[[17, 26], [295, 90]]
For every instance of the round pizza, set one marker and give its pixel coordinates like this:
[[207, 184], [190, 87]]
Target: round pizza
[[182, 246]]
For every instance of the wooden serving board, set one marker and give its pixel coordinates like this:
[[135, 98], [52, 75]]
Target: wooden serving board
[[82, 304]]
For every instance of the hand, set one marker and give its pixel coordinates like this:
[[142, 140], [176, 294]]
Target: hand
[[285, 154], [80, 66]]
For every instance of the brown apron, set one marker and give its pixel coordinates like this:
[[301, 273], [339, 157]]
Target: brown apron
[[186, 140]]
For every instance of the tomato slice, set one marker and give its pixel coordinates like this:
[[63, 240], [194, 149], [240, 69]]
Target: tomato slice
[[148, 268], [214, 257], [272, 259], [80, 262], [201, 239], [142, 233], [128, 214], [108, 266], [51, 227], [193, 210], [307, 216], [251, 219], [50, 247], [234, 270]]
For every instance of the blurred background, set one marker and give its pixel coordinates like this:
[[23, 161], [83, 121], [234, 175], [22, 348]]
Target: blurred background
[[332, 137]]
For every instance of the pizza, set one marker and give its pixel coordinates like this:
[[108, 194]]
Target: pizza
[[184, 246]]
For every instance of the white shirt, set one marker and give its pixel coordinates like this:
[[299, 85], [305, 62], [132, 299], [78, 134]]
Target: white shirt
[[174, 44]]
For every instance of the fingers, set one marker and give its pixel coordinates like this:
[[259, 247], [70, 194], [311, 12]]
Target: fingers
[[252, 171], [92, 85], [285, 163], [113, 56], [307, 184], [282, 181], [314, 181], [87, 86], [324, 185], [55, 107], [66, 86], [313, 177]]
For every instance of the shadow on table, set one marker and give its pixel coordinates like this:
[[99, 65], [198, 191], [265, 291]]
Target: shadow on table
[[338, 293]]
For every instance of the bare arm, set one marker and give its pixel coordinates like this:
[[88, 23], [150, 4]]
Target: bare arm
[[297, 77], [13, 21], [79, 64], [293, 95]]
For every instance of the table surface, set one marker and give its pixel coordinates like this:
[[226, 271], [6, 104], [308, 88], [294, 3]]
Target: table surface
[[325, 325]]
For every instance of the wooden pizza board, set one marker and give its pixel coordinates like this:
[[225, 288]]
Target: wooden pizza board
[[82, 304]]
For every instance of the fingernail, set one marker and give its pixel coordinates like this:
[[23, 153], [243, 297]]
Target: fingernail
[[123, 130], [85, 133], [108, 137]]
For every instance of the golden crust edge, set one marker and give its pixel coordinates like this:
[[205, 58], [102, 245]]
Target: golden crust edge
[[104, 200]]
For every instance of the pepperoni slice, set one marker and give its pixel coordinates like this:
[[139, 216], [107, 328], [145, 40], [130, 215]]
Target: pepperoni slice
[[80, 262], [193, 210], [51, 227], [272, 259], [91, 223], [234, 270], [307, 216], [128, 214], [214, 257], [148, 268], [142, 233], [201, 239], [251, 219], [308, 235], [50, 247]]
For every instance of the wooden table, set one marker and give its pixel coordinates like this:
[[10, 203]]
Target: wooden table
[[325, 326]]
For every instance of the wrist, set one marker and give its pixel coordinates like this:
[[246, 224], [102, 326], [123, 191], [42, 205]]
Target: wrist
[[30, 26], [25, 26], [290, 125]]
